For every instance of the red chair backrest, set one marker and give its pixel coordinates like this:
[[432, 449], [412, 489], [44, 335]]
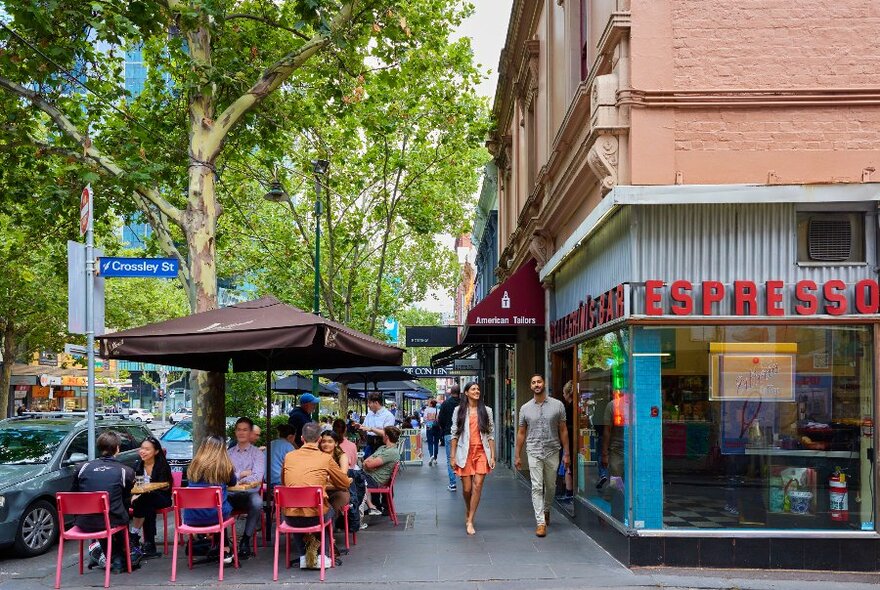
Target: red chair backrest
[[394, 474], [176, 479], [73, 503], [298, 497], [199, 497]]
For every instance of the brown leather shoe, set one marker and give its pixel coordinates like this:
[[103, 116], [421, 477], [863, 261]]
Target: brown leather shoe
[[541, 530], [547, 518]]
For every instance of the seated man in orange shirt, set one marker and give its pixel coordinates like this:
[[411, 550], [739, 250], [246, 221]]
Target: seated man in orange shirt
[[309, 466]]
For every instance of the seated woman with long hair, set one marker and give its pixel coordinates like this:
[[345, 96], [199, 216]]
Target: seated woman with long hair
[[154, 468], [329, 443], [210, 467]]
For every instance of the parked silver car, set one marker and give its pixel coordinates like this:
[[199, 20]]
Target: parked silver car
[[39, 454]]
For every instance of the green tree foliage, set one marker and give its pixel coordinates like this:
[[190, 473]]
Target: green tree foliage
[[225, 80]]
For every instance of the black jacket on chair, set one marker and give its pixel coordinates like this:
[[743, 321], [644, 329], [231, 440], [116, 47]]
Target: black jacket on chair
[[105, 474]]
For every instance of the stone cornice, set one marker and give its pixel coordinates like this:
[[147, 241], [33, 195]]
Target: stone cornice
[[750, 97]]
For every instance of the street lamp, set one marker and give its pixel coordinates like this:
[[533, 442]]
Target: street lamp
[[276, 194]]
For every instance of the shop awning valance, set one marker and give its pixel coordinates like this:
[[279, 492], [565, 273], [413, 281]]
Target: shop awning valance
[[516, 303]]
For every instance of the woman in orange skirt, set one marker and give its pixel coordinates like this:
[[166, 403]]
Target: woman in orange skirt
[[472, 448]]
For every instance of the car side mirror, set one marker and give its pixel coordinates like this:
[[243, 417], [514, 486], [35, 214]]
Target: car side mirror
[[76, 458]]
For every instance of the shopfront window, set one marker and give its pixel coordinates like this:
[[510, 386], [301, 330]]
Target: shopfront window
[[602, 420], [766, 427]]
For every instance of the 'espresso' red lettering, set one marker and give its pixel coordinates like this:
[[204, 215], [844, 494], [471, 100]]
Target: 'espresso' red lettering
[[867, 296], [745, 292], [774, 298], [803, 292], [713, 292], [832, 292], [653, 298], [680, 292]]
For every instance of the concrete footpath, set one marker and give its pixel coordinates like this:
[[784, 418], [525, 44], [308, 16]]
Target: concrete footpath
[[430, 550]]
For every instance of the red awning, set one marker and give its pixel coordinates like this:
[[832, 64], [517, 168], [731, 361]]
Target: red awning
[[516, 303]]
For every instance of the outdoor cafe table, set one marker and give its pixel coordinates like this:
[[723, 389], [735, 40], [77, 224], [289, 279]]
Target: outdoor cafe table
[[243, 487], [146, 488]]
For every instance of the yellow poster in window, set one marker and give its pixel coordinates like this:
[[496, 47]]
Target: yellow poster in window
[[741, 376]]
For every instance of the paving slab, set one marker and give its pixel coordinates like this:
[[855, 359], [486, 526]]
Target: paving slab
[[430, 550]]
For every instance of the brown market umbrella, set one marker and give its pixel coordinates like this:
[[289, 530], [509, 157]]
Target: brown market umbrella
[[260, 335]]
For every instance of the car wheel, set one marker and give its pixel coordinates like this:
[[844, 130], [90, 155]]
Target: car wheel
[[37, 529]]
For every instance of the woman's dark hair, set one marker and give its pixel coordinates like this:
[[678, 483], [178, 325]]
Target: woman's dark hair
[[337, 439], [339, 427], [161, 468], [482, 413]]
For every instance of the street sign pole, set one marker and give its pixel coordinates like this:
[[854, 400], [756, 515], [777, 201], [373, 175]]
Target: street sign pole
[[87, 209], [163, 387]]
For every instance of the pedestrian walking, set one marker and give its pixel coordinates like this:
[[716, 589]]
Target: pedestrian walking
[[445, 418], [543, 430], [472, 440], [432, 431]]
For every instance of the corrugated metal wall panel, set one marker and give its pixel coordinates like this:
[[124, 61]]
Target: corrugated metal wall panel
[[727, 243], [603, 262]]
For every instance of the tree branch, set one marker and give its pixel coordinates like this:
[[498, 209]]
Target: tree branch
[[91, 153], [269, 22], [276, 75]]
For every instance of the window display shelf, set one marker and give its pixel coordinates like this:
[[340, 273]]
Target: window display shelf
[[801, 453]]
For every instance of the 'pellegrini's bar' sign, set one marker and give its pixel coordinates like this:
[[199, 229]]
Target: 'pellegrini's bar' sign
[[592, 313], [708, 298], [834, 297]]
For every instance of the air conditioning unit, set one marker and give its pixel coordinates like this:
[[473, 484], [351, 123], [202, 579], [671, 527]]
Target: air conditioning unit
[[831, 237]]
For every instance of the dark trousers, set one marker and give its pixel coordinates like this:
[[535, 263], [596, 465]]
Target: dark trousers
[[358, 490], [299, 546], [433, 442], [145, 506]]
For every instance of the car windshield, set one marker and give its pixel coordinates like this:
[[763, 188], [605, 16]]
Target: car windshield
[[180, 432], [30, 444]]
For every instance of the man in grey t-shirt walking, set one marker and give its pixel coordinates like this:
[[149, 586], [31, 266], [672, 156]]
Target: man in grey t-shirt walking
[[542, 428]]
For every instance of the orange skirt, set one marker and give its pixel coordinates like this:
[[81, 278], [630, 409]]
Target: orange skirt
[[477, 462]]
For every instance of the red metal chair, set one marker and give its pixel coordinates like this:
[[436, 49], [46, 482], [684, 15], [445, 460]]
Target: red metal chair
[[354, 534], [74, 503], [388, 492], [301, 497], [176, 482], [207, 497]]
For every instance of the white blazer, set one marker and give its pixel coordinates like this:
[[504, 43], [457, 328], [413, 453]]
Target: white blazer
[[461, 450]]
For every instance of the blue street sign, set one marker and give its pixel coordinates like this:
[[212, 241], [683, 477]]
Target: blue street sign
[[156, 268]]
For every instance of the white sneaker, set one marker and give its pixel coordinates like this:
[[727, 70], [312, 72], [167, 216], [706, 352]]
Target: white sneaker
[[364, 525]]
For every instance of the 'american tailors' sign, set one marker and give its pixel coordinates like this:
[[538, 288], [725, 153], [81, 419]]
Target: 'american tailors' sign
[[745, 298], [591, 313]]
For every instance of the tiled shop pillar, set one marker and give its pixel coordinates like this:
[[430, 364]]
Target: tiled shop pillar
[[647, 461]]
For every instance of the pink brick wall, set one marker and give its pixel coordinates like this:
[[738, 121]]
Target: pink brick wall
[[802, 129], [776, 43]]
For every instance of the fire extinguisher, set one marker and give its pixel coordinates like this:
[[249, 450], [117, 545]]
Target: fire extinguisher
[[839, 496]]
